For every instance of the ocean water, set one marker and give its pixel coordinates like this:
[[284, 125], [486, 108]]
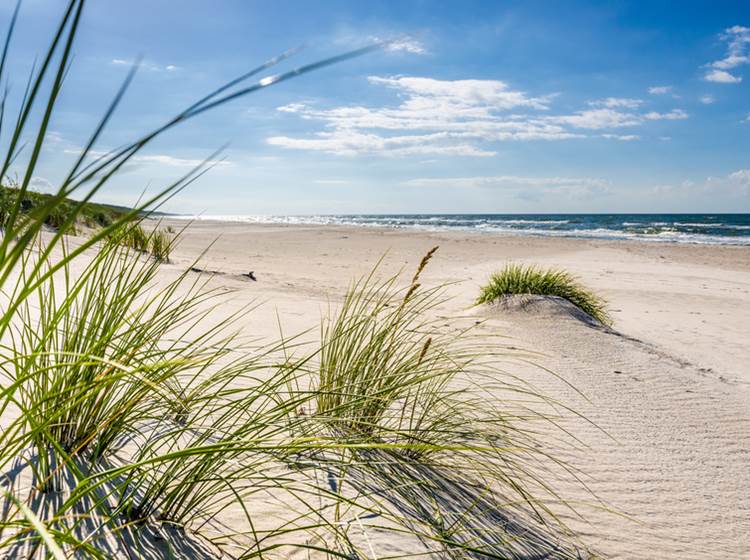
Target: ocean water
[[724, 229]]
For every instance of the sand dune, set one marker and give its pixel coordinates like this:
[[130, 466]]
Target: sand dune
[[667, 396], [675, 453]]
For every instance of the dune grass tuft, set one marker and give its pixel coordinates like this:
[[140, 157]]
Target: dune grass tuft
[[99, 339], [135, 237], [157, 243], [374, 352], [441, 434], [160, 245], [516, 279]]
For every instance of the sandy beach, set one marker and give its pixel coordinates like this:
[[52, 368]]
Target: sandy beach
[[377, 280], [665, 394]]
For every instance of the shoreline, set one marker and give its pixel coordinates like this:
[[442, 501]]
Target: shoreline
[[668, 235], [705, 250]]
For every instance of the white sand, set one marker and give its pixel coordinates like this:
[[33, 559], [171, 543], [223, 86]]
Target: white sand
[[671, 390], [667, 396]]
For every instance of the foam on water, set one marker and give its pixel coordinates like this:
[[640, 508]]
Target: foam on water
[[721, 229]]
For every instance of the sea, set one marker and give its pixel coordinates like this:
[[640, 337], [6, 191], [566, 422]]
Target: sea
[[710, 229]]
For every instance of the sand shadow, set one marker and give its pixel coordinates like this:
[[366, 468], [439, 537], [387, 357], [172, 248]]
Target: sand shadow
[[464, 519], [88, 519]]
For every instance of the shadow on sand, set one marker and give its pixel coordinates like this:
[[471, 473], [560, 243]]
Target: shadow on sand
[[115, 538], [463, 519]]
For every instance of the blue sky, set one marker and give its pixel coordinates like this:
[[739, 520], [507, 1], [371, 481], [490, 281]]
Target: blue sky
[[475, 107]]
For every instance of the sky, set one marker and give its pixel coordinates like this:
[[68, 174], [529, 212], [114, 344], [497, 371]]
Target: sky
[[471, 107]]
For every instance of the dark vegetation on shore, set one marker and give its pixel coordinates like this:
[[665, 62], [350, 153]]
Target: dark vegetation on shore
[[91, 214], [133, 422], [70, 217]]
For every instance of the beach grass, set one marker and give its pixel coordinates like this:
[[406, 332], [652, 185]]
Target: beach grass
[[373, 353], [135, 237], [127, 410], [160, 244], [99, 338], [90, 359], [517, 279], [91, 214], [156, 242], [416, 395]]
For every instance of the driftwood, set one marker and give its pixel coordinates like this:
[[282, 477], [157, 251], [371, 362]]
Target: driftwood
[[250, 275]]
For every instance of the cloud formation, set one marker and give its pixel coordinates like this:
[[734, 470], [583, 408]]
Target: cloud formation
[[526, 187], [736, 183], [477, 97], [737, 39], [146, 65], [673, 115], [41, 184], [171, 161], [622, 137], [659, 90], [407, 45], [721, 77], [160, 159], [456, 117], [619, 102]]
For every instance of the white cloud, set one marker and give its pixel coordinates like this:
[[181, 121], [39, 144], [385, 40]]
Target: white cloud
[[159, 159], [736, 183], [292, 108], [747, 118], [600, 118], [476, 96], [731, 61], [525, 186], [737, 39], [721, 77], [41, 184], [455, 117], [707, 99], [53, 137], [170, 161], [621, 137], [403, 44], [620, 102], [349, 142], [673, 115], [659, 90], [741, 176], [146, 65], [407, 45], [439, 117], [76, 150]]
